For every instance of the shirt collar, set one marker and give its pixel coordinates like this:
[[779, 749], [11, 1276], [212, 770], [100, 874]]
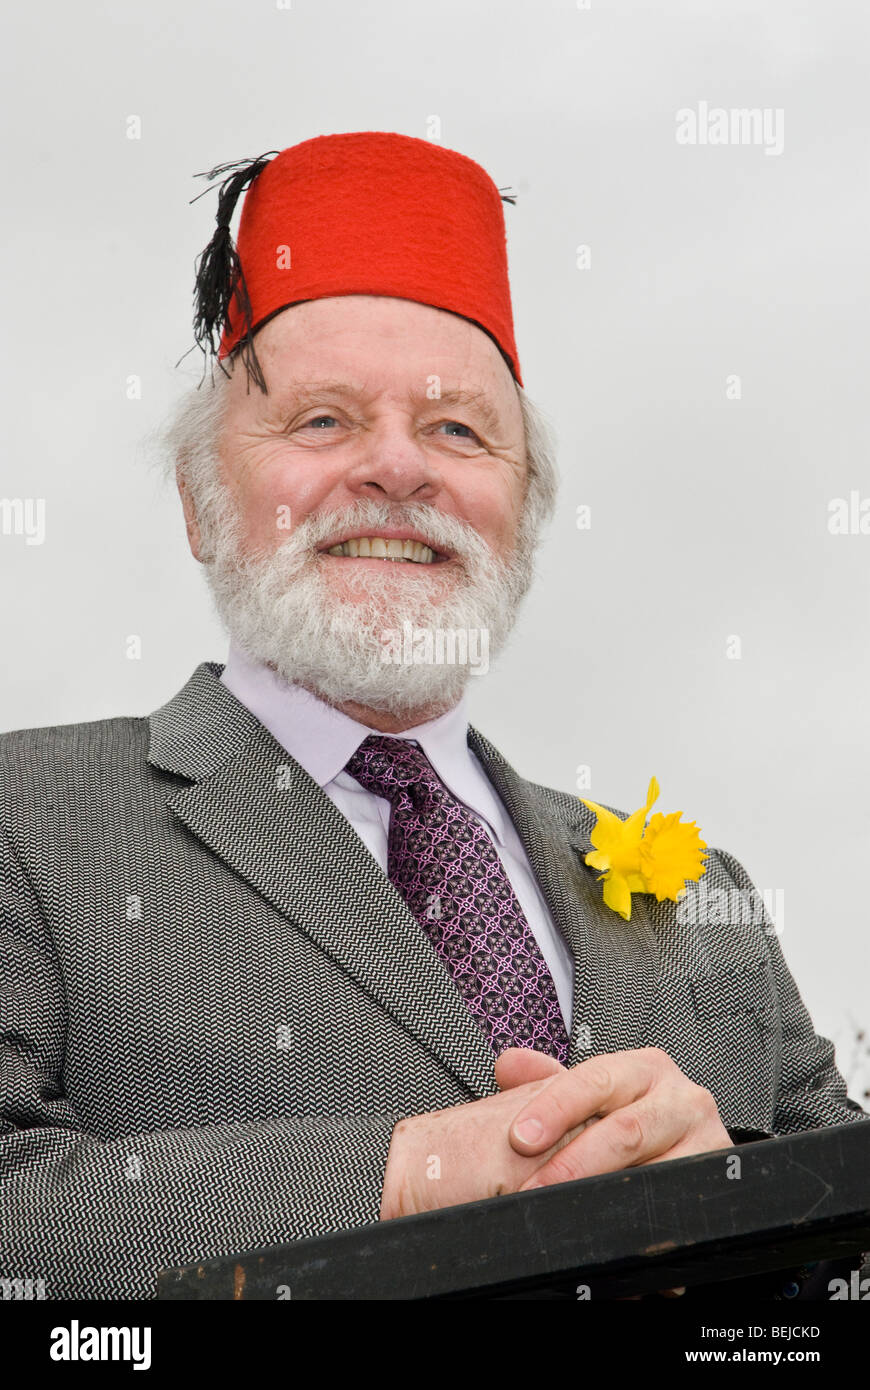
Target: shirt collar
[[322, 739]]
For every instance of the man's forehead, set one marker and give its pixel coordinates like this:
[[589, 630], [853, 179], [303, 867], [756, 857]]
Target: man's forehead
[[430, 392]]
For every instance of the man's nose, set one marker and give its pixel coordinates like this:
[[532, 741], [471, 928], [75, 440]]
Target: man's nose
[[393, 463]]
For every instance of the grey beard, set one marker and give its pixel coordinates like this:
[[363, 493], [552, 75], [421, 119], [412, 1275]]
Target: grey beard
[[280, 609]]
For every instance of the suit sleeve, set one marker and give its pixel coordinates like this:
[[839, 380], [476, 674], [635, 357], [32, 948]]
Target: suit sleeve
[[811, 1092], [96, 1218]]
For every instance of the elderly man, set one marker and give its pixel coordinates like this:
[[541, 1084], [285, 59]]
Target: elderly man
[[301, 950]]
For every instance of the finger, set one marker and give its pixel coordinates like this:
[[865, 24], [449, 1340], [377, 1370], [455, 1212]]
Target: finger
[[644, 1132], [598, 1086], [704, 1132], [517, 1065]]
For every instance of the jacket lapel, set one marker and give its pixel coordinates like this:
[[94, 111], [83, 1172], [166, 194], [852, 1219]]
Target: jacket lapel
[[257, 808], [616, 963]]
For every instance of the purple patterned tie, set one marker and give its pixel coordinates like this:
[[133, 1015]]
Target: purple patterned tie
[[446, 867]]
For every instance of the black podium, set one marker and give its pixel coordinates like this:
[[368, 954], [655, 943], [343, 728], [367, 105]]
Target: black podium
[[723, 1218]]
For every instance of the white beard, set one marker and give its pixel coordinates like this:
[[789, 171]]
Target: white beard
[[282, 610]]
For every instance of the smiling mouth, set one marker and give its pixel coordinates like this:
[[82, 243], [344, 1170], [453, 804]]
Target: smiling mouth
[[381, 548]]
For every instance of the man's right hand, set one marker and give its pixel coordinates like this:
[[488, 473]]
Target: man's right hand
[[463, 1154]]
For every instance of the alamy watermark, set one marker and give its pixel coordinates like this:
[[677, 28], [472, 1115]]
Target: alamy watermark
[[719, 125], [23, 516], [720, 907], [77, 1343], [849, 516], [436, 646], [20, 1290]]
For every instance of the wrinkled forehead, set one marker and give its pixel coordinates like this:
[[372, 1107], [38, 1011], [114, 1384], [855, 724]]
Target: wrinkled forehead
[[371, 348]]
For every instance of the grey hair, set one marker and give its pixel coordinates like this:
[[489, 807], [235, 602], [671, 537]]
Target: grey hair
[[189, 440]]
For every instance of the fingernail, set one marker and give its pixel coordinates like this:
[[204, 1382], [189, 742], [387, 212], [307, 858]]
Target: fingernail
[[529, 1130]]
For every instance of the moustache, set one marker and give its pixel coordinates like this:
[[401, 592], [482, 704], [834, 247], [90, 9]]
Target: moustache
[[444, 533]]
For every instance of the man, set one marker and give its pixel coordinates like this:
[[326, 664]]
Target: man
[[301, 950]]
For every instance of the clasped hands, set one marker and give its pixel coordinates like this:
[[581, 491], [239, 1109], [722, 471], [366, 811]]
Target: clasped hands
[[550, 1124]]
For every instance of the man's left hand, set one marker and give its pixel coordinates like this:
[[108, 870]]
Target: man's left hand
[[643, 1107]]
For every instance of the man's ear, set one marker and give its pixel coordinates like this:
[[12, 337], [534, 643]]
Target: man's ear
[[194, 536]]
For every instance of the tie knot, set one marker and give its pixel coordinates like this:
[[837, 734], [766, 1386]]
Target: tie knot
[[393, 768]]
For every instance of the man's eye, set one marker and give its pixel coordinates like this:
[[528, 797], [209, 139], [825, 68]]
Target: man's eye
[[316, 419], [456, 425]]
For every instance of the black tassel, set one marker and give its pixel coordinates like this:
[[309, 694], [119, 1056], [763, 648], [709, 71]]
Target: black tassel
[[507, 197], [219, 273]]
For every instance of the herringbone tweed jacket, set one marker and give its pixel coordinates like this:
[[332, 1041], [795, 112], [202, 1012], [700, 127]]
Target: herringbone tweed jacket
[[214, 1006]]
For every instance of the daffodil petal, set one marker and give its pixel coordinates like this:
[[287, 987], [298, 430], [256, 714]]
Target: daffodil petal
[[605, 817], [617, 896], [634, 824]]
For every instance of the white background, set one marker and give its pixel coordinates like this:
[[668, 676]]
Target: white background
[[709, 515]]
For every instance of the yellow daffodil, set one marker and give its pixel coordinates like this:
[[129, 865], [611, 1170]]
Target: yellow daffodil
[[659, 859]]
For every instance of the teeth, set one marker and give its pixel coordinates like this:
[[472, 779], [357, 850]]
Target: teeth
[[375, 547]]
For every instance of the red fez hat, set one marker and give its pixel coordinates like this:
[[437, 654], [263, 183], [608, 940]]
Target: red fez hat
[[367, 212]]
